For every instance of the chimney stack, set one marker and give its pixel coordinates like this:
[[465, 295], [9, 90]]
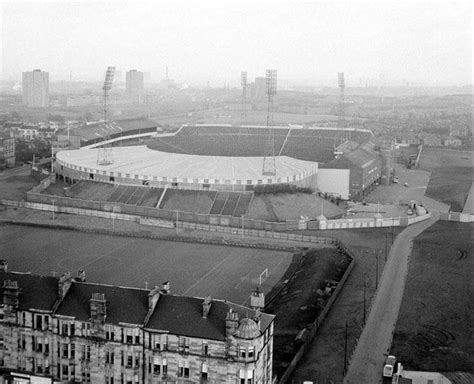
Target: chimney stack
[[98, 308], [64, 284], [257, 300], [153, 297], [206, 306], [165, 287], [3, 265], [231, 323], [81, 276], [11, 294]]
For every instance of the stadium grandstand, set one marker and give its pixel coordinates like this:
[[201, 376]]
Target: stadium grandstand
[[217, 157], [93, 133]]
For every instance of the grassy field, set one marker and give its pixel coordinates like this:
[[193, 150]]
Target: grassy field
[[281, 207], [226, 116], [299, 304], [325, 359], [434, 328], [193, 269], [451, 175]]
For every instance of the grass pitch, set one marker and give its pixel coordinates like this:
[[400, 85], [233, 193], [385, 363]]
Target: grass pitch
[[193, 269], [434, 328], [451, 175]]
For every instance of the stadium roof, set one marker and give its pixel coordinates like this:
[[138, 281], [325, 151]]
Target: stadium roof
[[143, 161], [93, 131]]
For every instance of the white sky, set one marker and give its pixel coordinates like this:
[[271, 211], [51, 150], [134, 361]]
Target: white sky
[[420, 42]]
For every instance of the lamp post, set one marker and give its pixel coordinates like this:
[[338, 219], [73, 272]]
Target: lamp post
[[177, 222], [376, 270], [53, 201], [365, 308], [345, 349], [113, 217]]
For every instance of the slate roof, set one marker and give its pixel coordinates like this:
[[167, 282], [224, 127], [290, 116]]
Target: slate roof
[[179, 315], [360, 158], [126, 305], [182, 315], [36, 292]]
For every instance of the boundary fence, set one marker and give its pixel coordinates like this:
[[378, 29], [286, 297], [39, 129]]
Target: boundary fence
[[243, 224], [285, 378], [456, 216]]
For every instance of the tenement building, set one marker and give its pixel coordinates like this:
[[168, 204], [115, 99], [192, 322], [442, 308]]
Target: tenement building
[[64, 329]]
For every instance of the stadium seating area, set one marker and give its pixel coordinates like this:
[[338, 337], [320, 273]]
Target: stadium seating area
[[205, 202], [231, 203], [89, 190], [304, 144]]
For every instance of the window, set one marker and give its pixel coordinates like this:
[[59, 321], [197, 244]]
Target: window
[[65, 370], [251, 352], [109, 333], [137, 359], [183, 344], [242, 352], [72, 352], [204, 373], [65, 350], [64, 328], [246, 377], [72, 330], [129, 360], [186, 369], [39, 322], [165, 367], [129, 339], [39, 365], [205, 349]]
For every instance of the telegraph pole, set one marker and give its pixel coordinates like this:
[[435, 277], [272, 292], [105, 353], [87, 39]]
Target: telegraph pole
[[345, 349]]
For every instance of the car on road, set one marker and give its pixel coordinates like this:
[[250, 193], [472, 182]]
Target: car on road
[[389, 365]]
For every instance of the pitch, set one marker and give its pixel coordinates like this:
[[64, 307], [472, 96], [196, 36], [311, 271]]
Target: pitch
[[223, 272]]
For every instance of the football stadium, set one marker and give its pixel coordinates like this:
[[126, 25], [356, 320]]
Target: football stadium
[[211, 157]]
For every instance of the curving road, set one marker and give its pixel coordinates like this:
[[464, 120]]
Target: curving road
[[376, 338]]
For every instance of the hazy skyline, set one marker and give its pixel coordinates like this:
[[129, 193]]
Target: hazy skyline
[[396, 42]]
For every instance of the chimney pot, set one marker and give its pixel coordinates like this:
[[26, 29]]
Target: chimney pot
[[206, 306], [3, 265]]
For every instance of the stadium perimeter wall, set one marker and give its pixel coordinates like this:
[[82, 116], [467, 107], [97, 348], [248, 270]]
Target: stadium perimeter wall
[[456, 216], [70, 174], [137, 213]]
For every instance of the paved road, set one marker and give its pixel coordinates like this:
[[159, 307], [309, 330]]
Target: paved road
[[376, 339], [17, 171]]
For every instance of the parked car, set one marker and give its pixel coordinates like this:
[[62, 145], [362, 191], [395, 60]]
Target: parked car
[[389, 365]]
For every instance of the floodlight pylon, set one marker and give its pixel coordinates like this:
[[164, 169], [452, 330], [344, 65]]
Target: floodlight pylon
[[269, 164], [104, 155]]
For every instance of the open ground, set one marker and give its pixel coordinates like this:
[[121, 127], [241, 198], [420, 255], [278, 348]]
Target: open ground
[[220, 271], [451, 175], [325, 357], [434, 328]]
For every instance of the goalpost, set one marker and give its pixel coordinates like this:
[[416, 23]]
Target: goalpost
[[264, 274]]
